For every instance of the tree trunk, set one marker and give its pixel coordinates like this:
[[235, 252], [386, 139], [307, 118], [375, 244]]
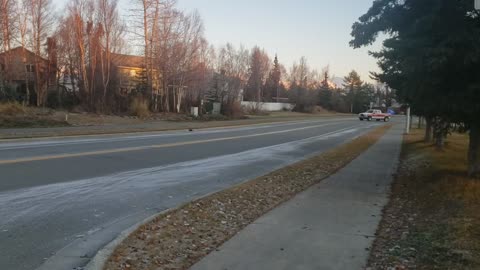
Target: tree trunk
[[167, 100], [420, 122], [440, 133], [439, 140], [59, 92], [474, 151], [428, 130], [27, 89]]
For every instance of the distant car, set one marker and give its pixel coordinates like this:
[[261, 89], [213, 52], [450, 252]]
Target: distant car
[[374, 115]]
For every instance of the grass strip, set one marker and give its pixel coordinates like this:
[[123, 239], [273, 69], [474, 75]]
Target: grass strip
[[179, 238], [432, 220]]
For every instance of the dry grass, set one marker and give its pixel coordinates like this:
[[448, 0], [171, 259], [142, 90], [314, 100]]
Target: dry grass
[[433, 219], [11, 109], [139, 107], [181, 237], [14, 115]]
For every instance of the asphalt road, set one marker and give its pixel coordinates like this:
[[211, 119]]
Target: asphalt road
[[64, 199]]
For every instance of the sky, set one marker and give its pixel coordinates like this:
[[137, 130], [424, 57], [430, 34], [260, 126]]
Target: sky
[[317, 29]]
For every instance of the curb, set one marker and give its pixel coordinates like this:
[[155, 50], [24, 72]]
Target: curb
[[101, 257]]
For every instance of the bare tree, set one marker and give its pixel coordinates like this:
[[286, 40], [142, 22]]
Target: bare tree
[[67, 52], [113, 30], [162, 44], [303, 82], [233, 64], [7, 13], [259, 68], [80, 13], [185, 53], [41, 20], [93, 36], [177, 52], [147, 16], [23, 31], [7, 27]]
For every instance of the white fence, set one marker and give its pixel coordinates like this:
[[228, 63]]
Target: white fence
[[267, 106]]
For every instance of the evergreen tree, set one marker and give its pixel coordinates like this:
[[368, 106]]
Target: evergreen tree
[[353, 84], [430, 40], [272, 85], [325, 93]]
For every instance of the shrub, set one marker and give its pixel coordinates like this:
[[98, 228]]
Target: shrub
[[12, 109], [64, 99], [8, 93], [255, 109], [233, 110], [139, 107]]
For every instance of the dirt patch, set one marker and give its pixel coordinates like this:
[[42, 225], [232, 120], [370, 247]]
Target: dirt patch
[[433, 218], [181, 237]]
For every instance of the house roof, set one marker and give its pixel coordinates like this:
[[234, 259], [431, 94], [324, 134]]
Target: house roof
[[123, 60], [19, 50]]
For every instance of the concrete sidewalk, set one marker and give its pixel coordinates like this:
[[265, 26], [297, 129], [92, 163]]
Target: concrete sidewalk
[[329, 226]]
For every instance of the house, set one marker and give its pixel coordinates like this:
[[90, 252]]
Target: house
[[18, 69], [131, 72], [18, 64]]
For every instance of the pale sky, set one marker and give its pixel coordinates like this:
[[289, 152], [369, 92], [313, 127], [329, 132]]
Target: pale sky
[[317, 29]]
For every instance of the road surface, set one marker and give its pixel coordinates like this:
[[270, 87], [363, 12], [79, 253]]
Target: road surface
[[64, 199]]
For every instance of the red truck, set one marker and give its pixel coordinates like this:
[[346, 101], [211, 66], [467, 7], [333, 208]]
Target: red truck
[[374, 115]]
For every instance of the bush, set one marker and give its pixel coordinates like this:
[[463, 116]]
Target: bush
[[316, 109], [208, 107], [139, 107], [233, 110], [255, 109], [8, 93], [12, 109], [64, 99]]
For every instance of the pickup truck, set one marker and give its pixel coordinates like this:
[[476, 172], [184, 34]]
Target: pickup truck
[[374, 115]]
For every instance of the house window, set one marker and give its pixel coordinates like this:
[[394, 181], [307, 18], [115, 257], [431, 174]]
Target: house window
[[30, 68]]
